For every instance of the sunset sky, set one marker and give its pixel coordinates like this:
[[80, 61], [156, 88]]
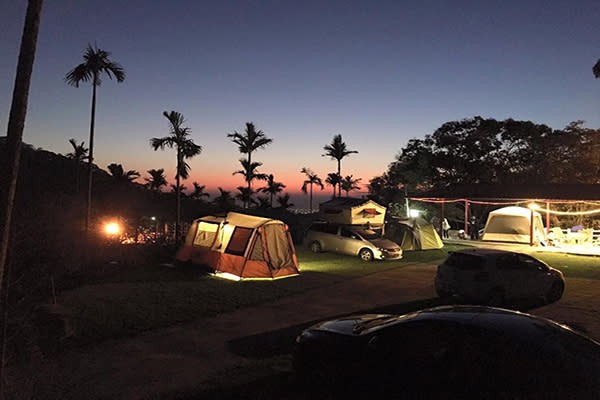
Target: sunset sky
[[377, 72]]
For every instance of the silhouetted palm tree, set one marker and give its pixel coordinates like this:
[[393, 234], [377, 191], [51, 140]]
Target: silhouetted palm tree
[[117, 172], [311, 179], [272, 188], [245, 196], [179, 137], [14, 133], [349, 184], [337, 151], [179, 190], [597, 69], [78, 155], [333, 179], [284, 201], [199, 192], [249, 172], [95, 63], [247, 143], [264, 202], [156, 180], [224, 200]]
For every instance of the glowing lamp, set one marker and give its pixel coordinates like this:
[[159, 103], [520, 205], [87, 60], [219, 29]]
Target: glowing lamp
[[534, 206], [414, 213], [112, 228]]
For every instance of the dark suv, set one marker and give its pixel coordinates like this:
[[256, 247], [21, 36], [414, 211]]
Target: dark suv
[[496, 276]]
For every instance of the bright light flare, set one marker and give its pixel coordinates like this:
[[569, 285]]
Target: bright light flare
[[534, 206], [112, 228], [413, 213]]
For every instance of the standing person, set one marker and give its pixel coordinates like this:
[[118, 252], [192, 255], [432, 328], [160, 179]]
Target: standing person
[[445, 229], [474, 228]]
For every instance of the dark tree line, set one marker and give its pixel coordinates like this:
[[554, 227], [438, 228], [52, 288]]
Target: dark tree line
[[486, 151]]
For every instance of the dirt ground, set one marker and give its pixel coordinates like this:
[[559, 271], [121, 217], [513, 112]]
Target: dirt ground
[[181, 357]]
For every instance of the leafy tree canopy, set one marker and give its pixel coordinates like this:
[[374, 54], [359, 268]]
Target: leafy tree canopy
[[486, 151]]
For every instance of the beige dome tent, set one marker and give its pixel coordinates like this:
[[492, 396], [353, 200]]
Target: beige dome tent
[[418, 234], [241, 246], [512, 224]]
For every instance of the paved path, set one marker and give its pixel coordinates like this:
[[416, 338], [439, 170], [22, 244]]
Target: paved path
[[175, 358]]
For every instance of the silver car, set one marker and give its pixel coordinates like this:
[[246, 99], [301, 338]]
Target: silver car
[[497, 276], [351, 240]]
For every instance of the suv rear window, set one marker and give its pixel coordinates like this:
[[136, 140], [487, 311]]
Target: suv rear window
[[463, 261], [325, 228]]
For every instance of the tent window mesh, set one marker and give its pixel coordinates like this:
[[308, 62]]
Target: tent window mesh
[[508, 224], [205, 235], [239, 241], [257, 251]]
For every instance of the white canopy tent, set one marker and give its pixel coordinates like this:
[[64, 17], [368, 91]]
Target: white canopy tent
[[513, 224]]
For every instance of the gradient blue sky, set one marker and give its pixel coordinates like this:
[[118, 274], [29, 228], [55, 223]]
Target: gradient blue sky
[[377, 72]]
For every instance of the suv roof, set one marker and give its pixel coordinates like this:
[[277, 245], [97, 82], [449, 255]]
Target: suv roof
[[483, 252]]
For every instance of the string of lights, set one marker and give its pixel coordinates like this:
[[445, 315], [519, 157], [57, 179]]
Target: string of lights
[[498, 203]]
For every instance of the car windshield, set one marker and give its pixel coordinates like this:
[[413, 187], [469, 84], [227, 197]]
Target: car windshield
[[368, 234]]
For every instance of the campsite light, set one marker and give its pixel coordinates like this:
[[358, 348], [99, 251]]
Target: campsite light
[[112, 228], [414, 213], [533, 206], [153, 218]]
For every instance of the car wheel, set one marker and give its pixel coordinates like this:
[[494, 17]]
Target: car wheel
[[555, 292], [495, 297], [315, 247], [366, 255]]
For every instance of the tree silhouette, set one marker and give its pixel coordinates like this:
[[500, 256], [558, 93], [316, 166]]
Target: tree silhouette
[[249, 142], [120, 176], [179, 137], [311, 179], [95, 63], [245, 196], [337, 151], [224, 200], [333, 180], [14, 133], [349, 184], [272, 188], [199, 192], [179, 190], [597, 69], [78, 155], [264, 202], [284, 201], [156, 180], [250, 173]]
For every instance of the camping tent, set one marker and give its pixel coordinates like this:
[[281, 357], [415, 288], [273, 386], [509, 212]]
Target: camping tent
[[241, 246], [512, 224], [353, 211], [417, 234]]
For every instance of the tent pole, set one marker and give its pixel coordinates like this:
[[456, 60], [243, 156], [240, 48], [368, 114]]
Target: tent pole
[[531, 228], [466, 218], [442, 219], [547, 217]]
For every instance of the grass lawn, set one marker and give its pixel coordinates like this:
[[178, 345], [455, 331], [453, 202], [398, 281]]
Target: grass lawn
[[572, 266], [144, 298], [148, 297]]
